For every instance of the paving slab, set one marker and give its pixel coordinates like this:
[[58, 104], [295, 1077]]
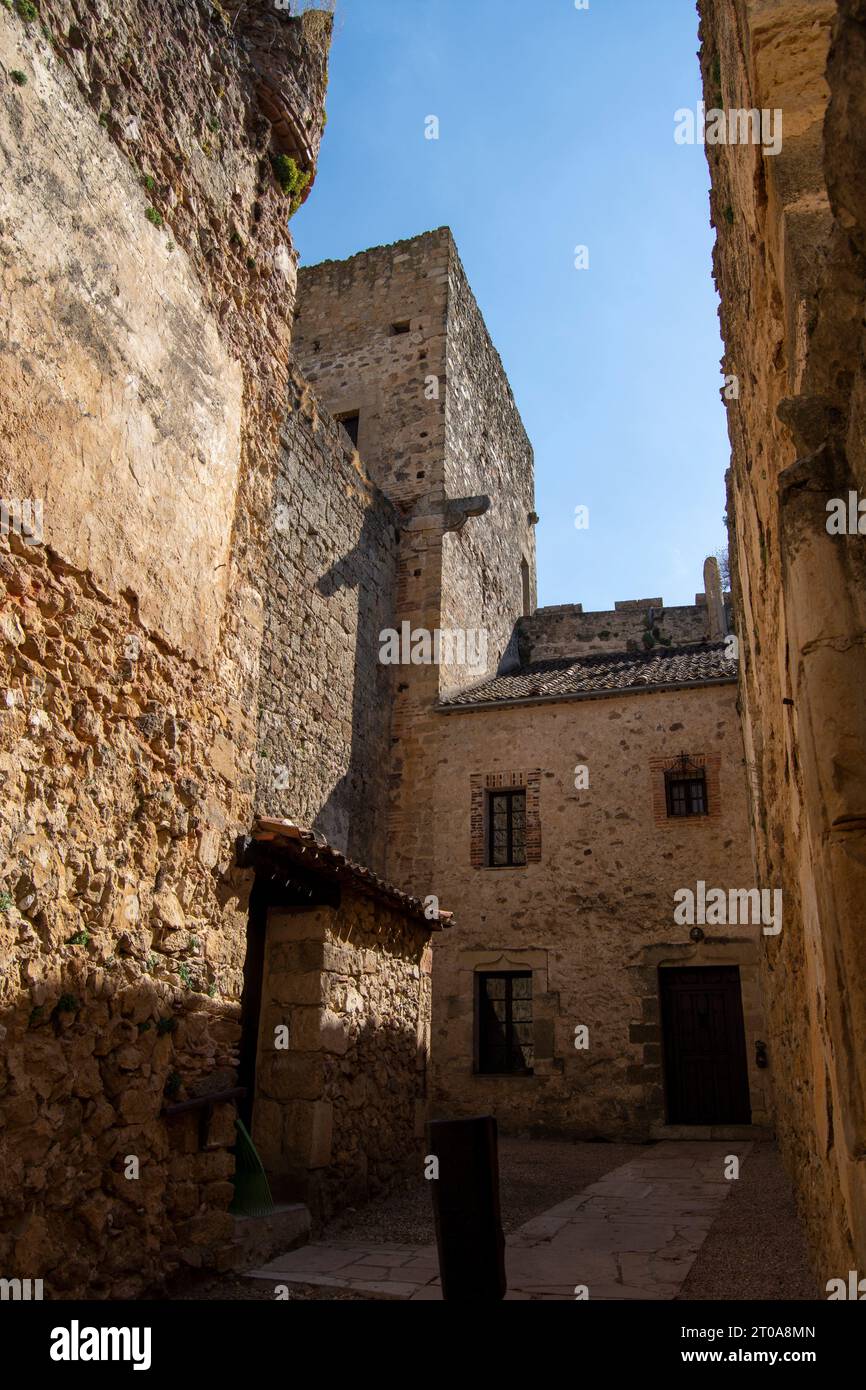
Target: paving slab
[[635, 1235]]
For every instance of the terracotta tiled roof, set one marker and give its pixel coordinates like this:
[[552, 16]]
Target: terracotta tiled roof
[[310, 849], [607, 673]]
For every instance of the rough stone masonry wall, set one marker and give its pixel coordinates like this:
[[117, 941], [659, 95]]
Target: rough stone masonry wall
[[591, 916], [145, 256], [790, 264], [325, 699], [340, 1113], [345, 346], [486, 452], [399, 384], [565, 630]]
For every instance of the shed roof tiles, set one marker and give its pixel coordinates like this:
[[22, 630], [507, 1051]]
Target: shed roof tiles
[[606, 673]]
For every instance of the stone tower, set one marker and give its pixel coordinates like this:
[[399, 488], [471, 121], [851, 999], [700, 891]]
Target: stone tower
[[394, 345]]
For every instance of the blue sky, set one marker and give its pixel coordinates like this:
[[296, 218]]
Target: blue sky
[[556, 130]]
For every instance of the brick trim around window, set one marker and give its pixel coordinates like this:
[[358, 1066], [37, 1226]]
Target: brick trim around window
[[480, 783], [711, 764]]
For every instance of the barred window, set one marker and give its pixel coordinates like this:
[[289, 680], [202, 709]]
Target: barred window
[[687, 796], [504, 1023], [507, 828]]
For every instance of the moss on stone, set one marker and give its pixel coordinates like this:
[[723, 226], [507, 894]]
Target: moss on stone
[[292, 180]]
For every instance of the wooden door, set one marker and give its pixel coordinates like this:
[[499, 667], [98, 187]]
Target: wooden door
[[706, 1076]]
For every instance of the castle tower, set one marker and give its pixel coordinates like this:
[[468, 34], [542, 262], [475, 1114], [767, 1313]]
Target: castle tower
[[394, 345]]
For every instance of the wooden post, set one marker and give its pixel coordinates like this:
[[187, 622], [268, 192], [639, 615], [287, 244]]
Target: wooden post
[[466, 1209]]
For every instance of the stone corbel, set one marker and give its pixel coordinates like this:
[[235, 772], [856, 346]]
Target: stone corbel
[[459, 509]]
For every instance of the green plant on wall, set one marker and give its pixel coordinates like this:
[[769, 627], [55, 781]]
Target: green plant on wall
[[292, 180]]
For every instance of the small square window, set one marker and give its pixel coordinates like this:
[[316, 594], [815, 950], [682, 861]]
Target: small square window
[[402, 327], [687, 796]]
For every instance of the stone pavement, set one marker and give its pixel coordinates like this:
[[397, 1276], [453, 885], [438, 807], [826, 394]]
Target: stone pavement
[[632, 1235]]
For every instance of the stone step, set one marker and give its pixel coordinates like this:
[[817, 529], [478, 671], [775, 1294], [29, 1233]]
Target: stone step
[[750, 1133], [258, 1239]]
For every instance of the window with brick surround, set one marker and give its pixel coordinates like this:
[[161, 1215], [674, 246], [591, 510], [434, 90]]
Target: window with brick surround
[[503, 1011], [686, 788], [483, 787], [506, 828], [700, 767]]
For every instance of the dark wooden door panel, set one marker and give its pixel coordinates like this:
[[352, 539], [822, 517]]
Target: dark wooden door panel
[[706, 1076]]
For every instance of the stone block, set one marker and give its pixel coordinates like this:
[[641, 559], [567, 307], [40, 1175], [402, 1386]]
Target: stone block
[[312, 1030], [285, 1076], [308, 1133], [293, 988]]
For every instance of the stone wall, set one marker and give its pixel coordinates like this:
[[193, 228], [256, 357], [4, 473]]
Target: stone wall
[[591, 915], [325, 699], [790, 264], [487, 453], [148, 285], [396, 381], [340, 1112], [346, 345], [565, 630]]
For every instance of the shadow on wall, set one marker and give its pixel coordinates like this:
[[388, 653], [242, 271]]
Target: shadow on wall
[[359, 1136], [352, 818]]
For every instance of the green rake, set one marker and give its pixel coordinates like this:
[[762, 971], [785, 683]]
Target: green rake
[[252, 1193]]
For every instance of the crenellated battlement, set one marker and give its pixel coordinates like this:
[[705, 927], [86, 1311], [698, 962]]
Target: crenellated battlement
[[564, 630]]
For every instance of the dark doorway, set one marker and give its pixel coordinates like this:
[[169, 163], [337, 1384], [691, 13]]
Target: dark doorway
[[706, 1076]]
